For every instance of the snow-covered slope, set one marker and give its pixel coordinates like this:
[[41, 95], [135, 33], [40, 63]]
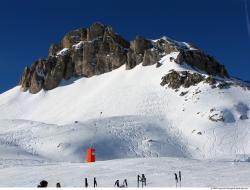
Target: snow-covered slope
[[127, 113], [158, 171]]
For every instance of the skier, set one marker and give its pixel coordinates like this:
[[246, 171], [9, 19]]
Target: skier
[[176, 179], [86, 182], [117, 183], [143, 180], [95, 182], [58, 185], [180, 177], [138, 180], [43, 183], [125, 183]]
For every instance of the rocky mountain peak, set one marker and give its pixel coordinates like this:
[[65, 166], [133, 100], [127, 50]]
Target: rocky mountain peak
[[98, 49]]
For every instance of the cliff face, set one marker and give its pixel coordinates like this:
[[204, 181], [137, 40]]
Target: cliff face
[[98, 49]]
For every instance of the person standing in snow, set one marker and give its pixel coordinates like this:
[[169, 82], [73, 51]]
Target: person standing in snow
[[43, 184], [138, 180], [86, 182], [180, 177], [143, 180], [95, 182], [176, 179], [125, 183], [117, 183]]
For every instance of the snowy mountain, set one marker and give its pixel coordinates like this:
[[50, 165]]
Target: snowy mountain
[[173, 102]]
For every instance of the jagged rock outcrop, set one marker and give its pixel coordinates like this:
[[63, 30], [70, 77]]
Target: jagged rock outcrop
[[139, 45], [53, 49], [186, 79], [25, 79], [176, 79], [150, 57], [98, 49], [94, 31], [74, 37], [200, 60]]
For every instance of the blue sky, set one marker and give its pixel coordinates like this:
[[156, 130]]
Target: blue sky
[[27, 28]]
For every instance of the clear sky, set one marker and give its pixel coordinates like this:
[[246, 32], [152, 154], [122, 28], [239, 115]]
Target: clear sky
[[28, 27]]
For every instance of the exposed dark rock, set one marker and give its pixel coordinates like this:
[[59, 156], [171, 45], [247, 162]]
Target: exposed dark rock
[[98, 49], [53, 49], [118, 59], [201, 61], [25, 79], [216, 117], [37, 76], [243, 117], [150, 57], [139, 45], [74, 37], [186, 79], [87, 66], [55, 74], [95, 30], [36, 83], [222, 116], [68, 67], [166, 46], [158, 64], [109, 33], [133, 59], [210, 80], [171, 59], [224, 85], [183, 93], [175, 80]]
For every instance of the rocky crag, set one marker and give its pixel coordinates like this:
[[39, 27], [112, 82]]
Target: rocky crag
[[98, 49]]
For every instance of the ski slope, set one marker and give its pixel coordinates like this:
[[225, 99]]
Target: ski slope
[[158, 171], [126, 114], [129, 107]]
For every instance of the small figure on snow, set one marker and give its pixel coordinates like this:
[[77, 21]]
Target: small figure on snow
[[117, 183], [141, 179], [125, 183], [86, 182], [95, 182], [43, 183], [176, 179]]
